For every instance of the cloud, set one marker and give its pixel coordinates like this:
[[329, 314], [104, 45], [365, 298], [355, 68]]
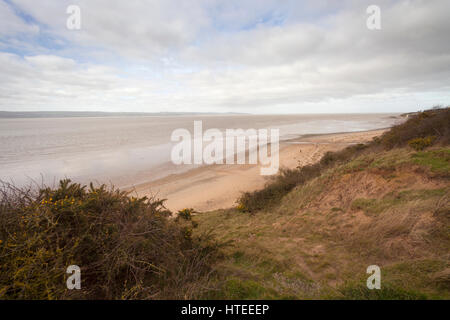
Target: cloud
[[11, 24], [254, 56]]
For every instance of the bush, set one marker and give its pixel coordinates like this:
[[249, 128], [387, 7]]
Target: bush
[[434, 122], [419, 131], [288, 179], [185, 214], [280, 185], [126, 247], [419, 144]]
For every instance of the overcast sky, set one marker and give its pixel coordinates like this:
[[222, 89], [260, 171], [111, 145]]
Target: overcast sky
[[257, 56]]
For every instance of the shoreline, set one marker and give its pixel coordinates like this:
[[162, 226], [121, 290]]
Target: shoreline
[[213, 187]]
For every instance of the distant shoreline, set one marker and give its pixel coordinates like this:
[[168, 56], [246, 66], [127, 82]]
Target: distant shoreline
[[212, 187], [99, 114], [127, 151]]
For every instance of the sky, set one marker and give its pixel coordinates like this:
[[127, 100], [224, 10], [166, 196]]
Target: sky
[[258, 56]]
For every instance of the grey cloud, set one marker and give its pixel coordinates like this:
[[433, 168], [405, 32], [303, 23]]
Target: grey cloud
[[201, 55]]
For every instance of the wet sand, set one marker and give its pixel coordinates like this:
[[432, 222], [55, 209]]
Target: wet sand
[[214, 187]]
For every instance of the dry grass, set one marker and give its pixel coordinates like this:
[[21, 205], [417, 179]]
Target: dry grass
[[320, 239], [312, 234], [420, 131]]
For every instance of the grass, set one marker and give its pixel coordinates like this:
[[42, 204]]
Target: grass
[[396, 198], [309, 234], [419, 275], [403, 281], [315, 244], [237, 289], [423, 130], [388, 292], [437, 160], [370, 206], [313, 230]]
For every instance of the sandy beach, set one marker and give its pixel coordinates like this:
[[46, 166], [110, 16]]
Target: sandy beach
[[214, 187]]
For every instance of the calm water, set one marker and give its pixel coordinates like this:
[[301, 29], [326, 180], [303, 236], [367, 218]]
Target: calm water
[[130, 150]]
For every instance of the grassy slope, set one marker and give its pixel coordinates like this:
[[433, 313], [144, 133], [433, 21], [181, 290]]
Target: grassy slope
[[310, 233], [390, 209]]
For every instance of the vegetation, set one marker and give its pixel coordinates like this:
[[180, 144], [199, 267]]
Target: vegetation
[[311, 233], [126, 247], [420, 131], [426, 124], [421, 143], [437, 160], [320, 238], [314, 230]]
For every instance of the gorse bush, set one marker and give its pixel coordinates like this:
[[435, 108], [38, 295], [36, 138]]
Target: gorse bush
[[421, 130], [185, 213], [424, 124], [419, 144], [126, 247]]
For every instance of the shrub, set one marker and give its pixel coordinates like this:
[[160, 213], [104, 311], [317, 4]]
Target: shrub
[[420, 130], [288, 179], [280, 185], [434, 122], [126, 247], [419, 144], [185, 214]]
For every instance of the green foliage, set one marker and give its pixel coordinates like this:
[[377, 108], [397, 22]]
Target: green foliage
[[275, 190], [288, 179], [419, 144], [237, 289], [437, 160], [419, 131], [387, 292], [421, 125], [126, 247], [185, 214], [373, 207], [368, 205], [426, 275]]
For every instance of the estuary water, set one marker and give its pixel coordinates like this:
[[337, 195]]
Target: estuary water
[[125, 151]]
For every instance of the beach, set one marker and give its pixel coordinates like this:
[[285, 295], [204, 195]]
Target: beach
[[213, 187], [127, 151]]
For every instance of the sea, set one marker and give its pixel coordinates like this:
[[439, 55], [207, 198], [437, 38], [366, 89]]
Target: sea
[[128, 150]]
